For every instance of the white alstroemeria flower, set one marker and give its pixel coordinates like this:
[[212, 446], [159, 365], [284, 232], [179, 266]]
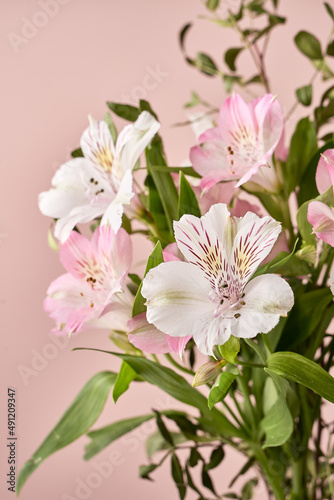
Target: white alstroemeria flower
[[210, 296], [100, 183]]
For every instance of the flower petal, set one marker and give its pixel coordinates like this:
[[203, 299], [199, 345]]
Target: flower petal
[[324, 176], [97, 145], [114, 212], [267, 297], [146, 336], [322, 219], [134, 142]]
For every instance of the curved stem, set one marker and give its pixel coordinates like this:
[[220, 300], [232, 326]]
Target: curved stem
[[177, 365]]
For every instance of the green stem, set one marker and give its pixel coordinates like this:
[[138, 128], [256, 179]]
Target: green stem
[[177, 365], [273, 480], [250, 364], [298, 480], [248, 404]]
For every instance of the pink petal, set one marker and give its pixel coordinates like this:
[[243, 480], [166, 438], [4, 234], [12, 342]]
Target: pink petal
[[324, 176], [321, 217], [146, 336], [178, 344]]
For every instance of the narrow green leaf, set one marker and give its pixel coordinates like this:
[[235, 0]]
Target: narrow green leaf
[[304, 318], [231, 56], [182, 35], [302, 148], [167, 169], [309, 45], [205, 64], [304, 95], [323, 114], [163, 429], [301, 370], [329, 10], [100, 438], [188, 203], [177, 475], [194, 101], [176, 386], [242, 471], [125, 111], [154, 260], [206, 480], [190, 481], [124, 378], [163, 182], [75, 422], [248, 489]]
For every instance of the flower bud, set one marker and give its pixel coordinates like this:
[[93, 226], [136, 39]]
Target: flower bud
[[208, 372]]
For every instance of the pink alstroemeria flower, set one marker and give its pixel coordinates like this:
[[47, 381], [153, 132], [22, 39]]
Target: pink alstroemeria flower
[[245, 138], [324, 176], [211, 296], [321, 217], [96, 271], [99, 184]]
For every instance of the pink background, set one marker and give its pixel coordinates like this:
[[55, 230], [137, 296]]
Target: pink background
[[86, 53]]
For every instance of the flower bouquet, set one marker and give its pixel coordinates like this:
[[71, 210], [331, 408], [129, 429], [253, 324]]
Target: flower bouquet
[[231, 316]]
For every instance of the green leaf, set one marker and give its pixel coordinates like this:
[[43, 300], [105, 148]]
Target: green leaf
[[254, 79], [176, 386], [185, 170], [304, 95], [187, 200], [248, 489], [125, 111], [304, 318], [145, 470], [145, 106], [220, 388], [194, 457], [194, 101], [242, 471], [212, 4], [100, 438], [163, 429], [309, 45], [329, 10], [124, 378], [301, 370], [230, 349], [277, 422], [154, 260], [330, 49], [303, 146], [231, 56], [206, 479], [163, 182], [177, 475], [190, 481], [182, 35], [205, 64], [216, 458], [110, 122], [77, 153], [75, 422]]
